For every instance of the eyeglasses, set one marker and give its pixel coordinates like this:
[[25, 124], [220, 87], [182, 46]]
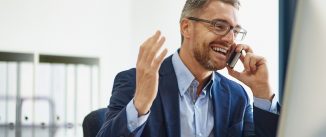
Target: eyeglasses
[[220, 27]]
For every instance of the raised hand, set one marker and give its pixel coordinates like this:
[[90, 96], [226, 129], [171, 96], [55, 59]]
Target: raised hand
[[148, 64]]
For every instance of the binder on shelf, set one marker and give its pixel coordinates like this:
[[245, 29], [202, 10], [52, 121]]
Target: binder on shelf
[[70, 95], [58, 90], [95, 91], [12, 92], [26, 92], [3, 93], [84, 92], [43, 78]]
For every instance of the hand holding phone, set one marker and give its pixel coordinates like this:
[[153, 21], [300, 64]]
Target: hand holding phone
[[233, 59]]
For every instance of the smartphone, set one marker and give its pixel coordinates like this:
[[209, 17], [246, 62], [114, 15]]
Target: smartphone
[[233, 59]]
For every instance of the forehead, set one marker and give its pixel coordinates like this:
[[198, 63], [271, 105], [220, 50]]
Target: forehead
[[219, 10]]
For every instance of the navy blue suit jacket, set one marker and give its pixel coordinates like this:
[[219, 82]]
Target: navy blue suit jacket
[[233, 114]]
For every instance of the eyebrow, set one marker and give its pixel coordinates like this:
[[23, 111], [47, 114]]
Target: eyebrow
[[222, 20]]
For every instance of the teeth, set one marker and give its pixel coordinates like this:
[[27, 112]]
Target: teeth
[[220, 50]]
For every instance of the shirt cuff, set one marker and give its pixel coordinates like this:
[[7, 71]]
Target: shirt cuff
[[132, 117], [266, 105]]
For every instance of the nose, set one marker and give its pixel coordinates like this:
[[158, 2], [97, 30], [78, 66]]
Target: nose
[[228, 37]]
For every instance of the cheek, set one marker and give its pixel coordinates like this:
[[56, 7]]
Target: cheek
[[203, 37], [207, 37]]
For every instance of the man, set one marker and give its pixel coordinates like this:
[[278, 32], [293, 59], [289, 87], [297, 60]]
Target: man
[[183, 95]]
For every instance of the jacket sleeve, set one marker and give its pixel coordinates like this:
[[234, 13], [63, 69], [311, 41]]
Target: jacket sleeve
[[265, 123], [116, 116]]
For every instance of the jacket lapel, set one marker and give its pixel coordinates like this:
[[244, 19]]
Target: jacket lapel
[[169, 93], [221, 104]]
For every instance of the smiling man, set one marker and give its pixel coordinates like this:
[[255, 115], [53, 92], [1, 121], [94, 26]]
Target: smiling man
[[184, 95]]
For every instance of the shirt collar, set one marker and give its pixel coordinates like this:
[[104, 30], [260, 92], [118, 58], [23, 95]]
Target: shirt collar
[[184, 76]]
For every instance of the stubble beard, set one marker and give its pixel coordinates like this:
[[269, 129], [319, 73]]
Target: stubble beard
[[202, 57]]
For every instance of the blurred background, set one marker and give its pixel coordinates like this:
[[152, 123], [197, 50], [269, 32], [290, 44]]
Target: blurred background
[[58, 58]]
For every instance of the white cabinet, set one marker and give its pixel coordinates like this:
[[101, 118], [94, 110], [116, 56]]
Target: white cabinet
[[53, 90]]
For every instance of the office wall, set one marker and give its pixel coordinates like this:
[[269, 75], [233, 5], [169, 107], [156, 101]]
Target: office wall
[[70, 27], [113, 30]]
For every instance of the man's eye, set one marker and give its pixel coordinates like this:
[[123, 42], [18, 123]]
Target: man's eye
[[220, 26], [236, 32]]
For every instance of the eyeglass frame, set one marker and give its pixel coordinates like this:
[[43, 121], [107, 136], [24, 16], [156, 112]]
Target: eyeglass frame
[[213, 23]]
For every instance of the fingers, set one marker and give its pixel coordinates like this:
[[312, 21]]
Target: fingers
[[242, 57], [244, 47], [248, 59], [246, 62], [158, 61], [142, 49], [155, 48], [240, 48], [149, 46], [148, 51], [251, 62]]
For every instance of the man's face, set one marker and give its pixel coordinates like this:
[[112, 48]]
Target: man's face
[[211, 51]]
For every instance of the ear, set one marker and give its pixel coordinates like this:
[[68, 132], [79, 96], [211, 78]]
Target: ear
[[185, 28]]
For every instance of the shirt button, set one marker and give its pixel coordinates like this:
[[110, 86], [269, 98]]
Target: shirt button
[[133, 124]]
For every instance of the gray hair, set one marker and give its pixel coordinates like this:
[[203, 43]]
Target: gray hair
[[192, 6]]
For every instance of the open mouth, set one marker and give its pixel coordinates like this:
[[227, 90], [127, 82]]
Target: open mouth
[[220, 50]]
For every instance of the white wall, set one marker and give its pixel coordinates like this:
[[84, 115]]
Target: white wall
[[113, 30], [70, 27]]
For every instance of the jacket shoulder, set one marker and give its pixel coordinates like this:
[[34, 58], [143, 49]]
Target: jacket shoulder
[[125, 78]]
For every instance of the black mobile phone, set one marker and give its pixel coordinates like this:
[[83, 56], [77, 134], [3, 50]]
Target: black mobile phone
[[233, 59]]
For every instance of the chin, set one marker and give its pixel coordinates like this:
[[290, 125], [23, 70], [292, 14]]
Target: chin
[[214, 66], [219, 68]]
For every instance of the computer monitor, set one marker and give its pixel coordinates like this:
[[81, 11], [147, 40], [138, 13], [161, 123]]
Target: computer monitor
[[304, 108]]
